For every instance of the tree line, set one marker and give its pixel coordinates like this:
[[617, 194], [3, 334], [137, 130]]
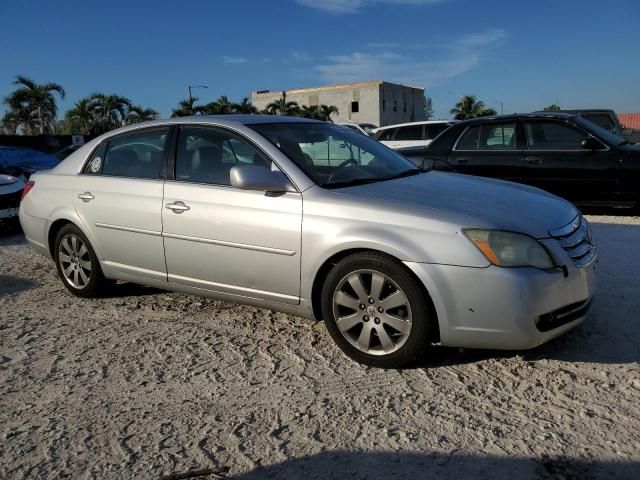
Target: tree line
[[32, 109]]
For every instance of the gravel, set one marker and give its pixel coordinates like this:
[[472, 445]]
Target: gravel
[[149, 384]]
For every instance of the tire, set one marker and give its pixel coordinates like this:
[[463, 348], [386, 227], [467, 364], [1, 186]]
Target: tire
[[84, 277], [386, 324]]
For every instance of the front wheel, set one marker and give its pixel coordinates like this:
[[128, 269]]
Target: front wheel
[[77, 263], [375, 310]]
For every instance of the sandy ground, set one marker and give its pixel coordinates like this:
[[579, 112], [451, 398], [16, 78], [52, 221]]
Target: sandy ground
[[149, 384]]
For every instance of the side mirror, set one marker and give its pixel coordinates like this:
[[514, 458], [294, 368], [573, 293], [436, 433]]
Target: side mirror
[[591, 143], [256, 177]]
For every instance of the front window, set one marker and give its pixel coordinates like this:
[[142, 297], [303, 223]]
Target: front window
[[543, 135], [207, 155], [333, 156]]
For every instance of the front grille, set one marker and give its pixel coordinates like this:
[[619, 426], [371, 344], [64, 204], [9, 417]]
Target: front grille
[[577, 240], [11, 200]]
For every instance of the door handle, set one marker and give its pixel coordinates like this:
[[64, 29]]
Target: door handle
[[533, 160], [86, 197], [177, 207], [462, 159]]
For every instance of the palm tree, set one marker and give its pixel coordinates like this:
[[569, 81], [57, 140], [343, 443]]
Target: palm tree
[[244, 106], [470, 107], [311, 111], [80, 118], [326, 111], [32, 100], [137, 114], [187, 107], [19, 118], [109, 110], [222, 106], [282, 107]]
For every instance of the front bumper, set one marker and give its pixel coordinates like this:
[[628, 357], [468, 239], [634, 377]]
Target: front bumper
[[506, 308]]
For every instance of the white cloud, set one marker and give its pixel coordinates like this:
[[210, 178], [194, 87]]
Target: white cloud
[[458, 57], [353, 6], [234, 60]]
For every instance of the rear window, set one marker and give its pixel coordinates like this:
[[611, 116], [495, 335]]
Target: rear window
[[434, 129], [492, 136], [602, 120], [386, 134], [411, 132]]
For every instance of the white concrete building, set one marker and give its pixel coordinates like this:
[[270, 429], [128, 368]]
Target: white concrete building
[[377, 102]]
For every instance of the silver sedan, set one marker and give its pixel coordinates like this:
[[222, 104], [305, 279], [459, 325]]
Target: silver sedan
[[313, 219]]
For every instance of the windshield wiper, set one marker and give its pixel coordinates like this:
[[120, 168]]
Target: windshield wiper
[[362, 181]]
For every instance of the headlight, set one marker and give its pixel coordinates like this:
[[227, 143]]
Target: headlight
[[507, 249]]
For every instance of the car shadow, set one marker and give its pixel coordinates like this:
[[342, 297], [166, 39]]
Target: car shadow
[[610, 335], [125, 289], [440, 465], [10, 285]]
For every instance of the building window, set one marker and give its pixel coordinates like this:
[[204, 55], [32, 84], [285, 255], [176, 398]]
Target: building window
[[384, 105], [355, 107], [395, 105], [405, 107]]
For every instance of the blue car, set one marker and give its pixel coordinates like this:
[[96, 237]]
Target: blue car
[[22, 162]]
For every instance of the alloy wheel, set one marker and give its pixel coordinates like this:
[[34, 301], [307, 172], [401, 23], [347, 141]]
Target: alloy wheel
[[75, 261], [372, 312]]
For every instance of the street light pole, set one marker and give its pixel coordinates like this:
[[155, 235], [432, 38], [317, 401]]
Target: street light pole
[[501, 106], [194, 86]]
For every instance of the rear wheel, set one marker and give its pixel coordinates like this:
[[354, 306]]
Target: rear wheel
[[375, 311], [77, 263]]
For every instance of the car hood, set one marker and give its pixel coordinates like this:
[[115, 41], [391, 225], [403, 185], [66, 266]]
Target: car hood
[[505, 205]]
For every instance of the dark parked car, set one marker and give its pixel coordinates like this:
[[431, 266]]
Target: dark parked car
[[564, 154], [22, 162], [604, 118]]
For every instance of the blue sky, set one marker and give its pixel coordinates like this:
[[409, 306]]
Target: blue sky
[[527, 54]]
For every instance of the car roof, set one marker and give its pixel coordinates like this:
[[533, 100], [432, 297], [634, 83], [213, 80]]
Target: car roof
[[516, 116], [579, 110], [423, 122], [229, 120]]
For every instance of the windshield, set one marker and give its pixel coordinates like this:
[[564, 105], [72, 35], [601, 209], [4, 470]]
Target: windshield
[[598, 131], [333, 156]]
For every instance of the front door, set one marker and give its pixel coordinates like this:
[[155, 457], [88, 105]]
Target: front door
[[223, 239], [490, 150], [118, 197], [564, 167]]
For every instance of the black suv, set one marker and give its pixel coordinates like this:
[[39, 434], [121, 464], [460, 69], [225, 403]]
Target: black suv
[[562, 153]]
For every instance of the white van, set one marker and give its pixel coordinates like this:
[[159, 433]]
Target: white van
[[415, 134]]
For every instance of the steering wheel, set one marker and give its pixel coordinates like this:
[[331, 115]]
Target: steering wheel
[[339, 168]]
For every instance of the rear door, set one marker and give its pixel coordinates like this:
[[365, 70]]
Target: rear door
[[564, 167], [224, 239], [490, 149], [118, 197]]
